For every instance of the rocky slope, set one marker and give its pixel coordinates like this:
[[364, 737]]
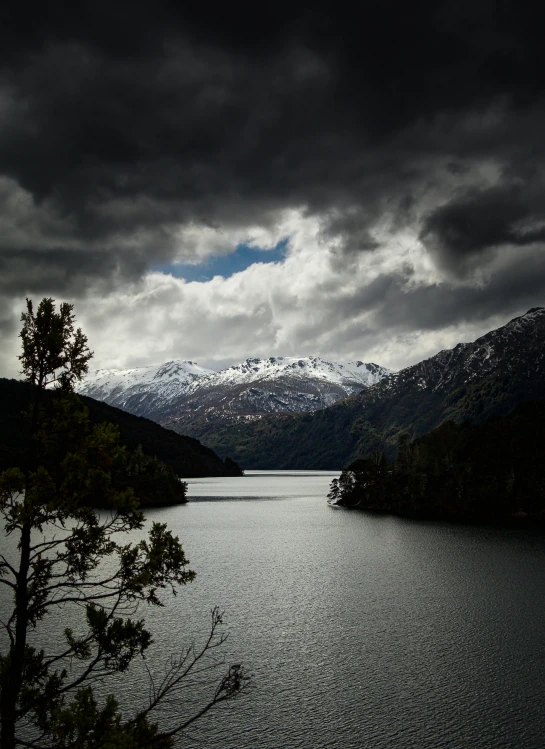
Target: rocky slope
[[471, 381], [257, 387]]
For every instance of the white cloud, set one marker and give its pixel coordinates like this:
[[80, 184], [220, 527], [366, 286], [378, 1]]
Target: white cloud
[[196, 243], [309, 303]]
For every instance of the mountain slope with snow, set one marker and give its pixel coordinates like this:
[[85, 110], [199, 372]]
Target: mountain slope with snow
[[268, 386], [180, 392], [349, 374], [143, 391], [471, 381]]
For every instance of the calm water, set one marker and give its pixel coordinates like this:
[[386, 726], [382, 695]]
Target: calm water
[[360, 631]]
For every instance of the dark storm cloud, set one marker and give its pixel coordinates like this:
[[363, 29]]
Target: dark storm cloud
[[399, 307], [124, 121], [511, 290], [483, 220], [64, 272], [351, 228], [8, 324]]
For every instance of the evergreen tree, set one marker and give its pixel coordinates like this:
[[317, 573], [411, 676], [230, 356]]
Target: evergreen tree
[[59, 557]]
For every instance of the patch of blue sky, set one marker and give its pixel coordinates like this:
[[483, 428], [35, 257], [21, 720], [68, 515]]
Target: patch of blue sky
[[224, 265]]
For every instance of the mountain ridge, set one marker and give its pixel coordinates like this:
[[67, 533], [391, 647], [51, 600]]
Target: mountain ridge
[[471, 381], [142, 390], [181, 393]]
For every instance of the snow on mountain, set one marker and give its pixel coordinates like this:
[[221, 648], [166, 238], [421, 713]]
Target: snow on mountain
[[519, 342], [310, 367], [190, 399], [143, 390], [470, 382], [181, 389], [266, 386]]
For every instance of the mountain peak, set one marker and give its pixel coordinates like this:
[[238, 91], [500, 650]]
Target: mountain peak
[[305, 367], [255, 386]]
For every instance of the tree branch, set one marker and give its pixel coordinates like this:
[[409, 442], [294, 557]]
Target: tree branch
[[4, 563]]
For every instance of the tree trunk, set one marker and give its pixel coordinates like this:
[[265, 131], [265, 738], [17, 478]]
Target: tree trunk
[[12, 678]]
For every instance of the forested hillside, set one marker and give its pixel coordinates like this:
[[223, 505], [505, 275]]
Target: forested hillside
[[186, 456], [490, 471]]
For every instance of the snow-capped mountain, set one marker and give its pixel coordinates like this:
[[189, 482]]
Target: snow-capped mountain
[[181, 391], [143, 391], [233, 410], [267, 386], [349, 374]]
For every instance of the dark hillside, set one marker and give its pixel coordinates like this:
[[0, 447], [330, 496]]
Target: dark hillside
[[487, 472], [472, 381], [186, 456]]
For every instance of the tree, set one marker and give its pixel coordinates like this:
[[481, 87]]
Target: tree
[[68, 555], [334, 493], [52, 350]]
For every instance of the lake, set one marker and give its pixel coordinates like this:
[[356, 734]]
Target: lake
[[360, 630]]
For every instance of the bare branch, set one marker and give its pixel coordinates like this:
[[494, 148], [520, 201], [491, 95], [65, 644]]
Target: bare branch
[[8, 629], [47, 546], [5, 564]]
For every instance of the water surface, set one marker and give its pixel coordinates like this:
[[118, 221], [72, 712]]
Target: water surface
[[361, 631]]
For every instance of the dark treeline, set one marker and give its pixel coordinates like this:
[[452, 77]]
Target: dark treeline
[[186, 456], [57, 441], [493, 471]]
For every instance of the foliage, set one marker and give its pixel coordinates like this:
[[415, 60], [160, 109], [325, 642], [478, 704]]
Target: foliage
[[65, 555], [493, 471], [53, 352]]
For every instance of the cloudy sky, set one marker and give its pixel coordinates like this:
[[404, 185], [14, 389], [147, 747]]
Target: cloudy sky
[[272, 178]]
